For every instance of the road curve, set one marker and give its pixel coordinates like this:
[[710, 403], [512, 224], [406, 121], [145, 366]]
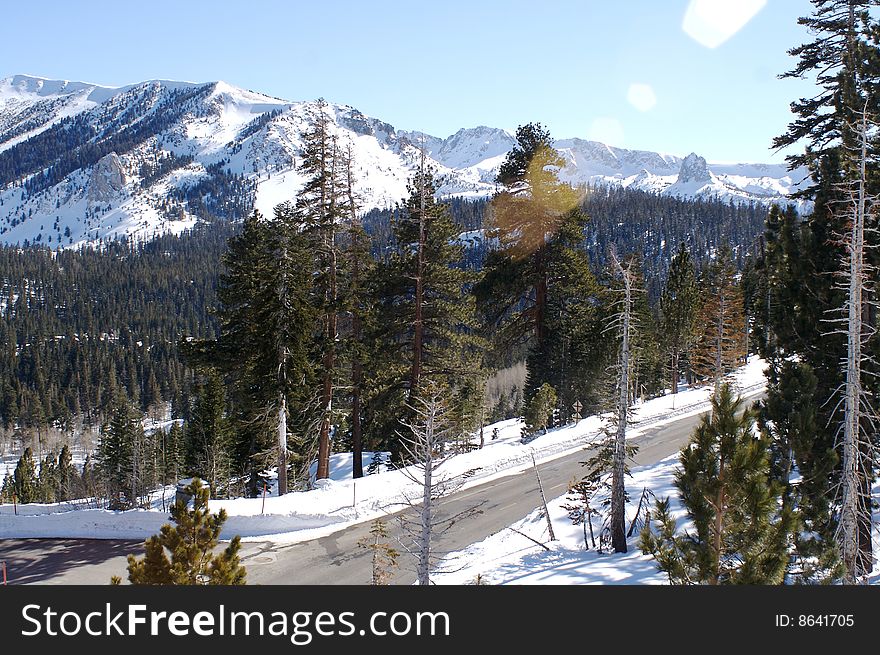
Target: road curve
[[336, 558]]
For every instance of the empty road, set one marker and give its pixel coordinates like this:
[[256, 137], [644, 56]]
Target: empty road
[[337, 559]]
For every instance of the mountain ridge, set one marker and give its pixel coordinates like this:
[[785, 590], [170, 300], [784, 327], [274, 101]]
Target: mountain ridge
[[185, 152]]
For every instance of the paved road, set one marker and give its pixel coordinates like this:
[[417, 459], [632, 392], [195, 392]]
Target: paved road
[[336, 559]]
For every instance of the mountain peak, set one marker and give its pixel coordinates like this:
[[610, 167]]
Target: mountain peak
[[694, 169], [472, 145]]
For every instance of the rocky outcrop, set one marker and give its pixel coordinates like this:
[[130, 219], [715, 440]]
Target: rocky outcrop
[[694, 169], [107, 181]]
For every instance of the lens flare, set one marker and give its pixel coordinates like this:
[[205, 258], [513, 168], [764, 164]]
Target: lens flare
[[712, 22], [641, 96]]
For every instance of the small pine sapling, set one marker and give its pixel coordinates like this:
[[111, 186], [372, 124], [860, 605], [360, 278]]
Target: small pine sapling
[[384, 557], [191, 544]]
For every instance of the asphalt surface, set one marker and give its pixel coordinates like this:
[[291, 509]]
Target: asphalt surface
[[337, 559]]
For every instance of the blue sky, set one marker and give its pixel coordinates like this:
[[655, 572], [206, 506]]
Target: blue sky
[[439, 66]]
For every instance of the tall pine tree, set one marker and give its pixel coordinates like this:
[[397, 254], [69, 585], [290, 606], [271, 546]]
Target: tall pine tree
[[720, 343], [538, 288], [208, 437], [426, 329], [678, 305]]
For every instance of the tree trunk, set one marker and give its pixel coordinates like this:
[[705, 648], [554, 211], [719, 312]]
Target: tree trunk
[[850, 514], [327, 400], [541, 300], [618, 491], [719, 524], [419, 321], [719, 345], [282, 444], [357, 368], [543, 501], [424, 554], [331, 321], [357, 438], [675, 356]]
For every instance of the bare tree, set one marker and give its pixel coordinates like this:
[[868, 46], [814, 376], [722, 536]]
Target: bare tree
[[426, 453], [623, 321], [855, 274], [419, 321]]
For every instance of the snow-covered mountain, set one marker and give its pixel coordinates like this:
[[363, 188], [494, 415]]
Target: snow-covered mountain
[[80, 162]]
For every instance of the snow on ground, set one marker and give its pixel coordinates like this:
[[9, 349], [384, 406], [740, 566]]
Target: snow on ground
[[341, 464], [507, 557], [338, 503], [510, 558]]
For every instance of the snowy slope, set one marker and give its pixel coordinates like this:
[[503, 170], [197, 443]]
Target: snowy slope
[[80, 162]]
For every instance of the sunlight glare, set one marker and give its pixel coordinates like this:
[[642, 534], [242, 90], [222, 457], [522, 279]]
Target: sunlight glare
[[712, 22], [641, 96]]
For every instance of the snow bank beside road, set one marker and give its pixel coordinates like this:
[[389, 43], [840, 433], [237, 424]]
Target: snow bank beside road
[[338, 503]]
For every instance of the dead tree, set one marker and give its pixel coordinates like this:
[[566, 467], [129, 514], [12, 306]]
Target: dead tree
[[858, 416], [623, 321], [426, 453], [543, 499], [419, 300]]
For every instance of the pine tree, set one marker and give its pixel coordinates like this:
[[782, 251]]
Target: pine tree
[[47, 479], [320, 207], [6, 493], [678, 304], [183, 554], [720, 340], [788, 417], [625, 322], [579, 505], [844, 58], [788, 320], [384, 557], [425, 332], [118, 451], [173, 453], [65, 475], [359, 269], [539, 411], [208, 436], [740, 534], [264, 343], [25, 484], [538, 288]]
